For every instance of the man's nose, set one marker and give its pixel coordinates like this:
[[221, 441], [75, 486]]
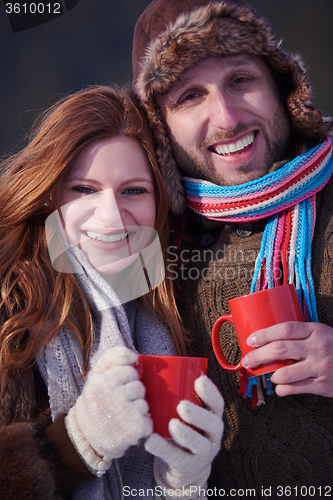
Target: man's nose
[[223, 111]]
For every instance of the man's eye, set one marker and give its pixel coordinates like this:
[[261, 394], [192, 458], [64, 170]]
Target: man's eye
[[187, 98], [191, 96], [240, 80]]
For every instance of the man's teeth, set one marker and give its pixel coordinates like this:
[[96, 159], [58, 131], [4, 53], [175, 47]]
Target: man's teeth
[[235, 146], [107, 238]]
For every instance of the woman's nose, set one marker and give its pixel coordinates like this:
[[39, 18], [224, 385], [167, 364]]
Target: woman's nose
[[107, 210]]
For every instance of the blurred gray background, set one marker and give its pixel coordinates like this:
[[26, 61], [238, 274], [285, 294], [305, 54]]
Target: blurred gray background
[[91, 44]]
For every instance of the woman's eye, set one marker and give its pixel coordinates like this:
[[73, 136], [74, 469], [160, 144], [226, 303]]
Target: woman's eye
[[134, 191], [83, 189]]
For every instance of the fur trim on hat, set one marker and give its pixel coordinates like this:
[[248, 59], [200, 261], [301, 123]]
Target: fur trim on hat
[[218, 29], [214, 28]]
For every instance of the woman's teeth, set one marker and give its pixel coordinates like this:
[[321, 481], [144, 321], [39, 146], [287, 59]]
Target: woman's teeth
[[235, 146], [107, 238]]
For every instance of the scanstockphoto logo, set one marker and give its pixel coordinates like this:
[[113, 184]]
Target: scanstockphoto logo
[[27, 14]]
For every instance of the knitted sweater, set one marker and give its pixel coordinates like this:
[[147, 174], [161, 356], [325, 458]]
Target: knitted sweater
[[288, 442]]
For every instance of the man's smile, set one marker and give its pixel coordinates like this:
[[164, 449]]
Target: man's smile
[[234, 147]]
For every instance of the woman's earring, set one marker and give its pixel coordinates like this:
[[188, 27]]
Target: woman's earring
[[47, 203]]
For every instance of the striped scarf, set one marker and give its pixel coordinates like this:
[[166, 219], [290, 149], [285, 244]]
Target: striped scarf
[[287, 197]]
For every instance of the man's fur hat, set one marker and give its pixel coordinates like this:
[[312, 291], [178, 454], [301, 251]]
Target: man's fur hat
[[173, 35]]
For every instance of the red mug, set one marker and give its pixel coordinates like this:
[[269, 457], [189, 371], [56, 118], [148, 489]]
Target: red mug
[[168, 380], [253, 312]]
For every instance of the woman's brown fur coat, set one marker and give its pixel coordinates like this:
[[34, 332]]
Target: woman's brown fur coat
[[28, 469]]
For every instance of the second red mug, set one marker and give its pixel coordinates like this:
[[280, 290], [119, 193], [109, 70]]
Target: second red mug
[[254, 312]]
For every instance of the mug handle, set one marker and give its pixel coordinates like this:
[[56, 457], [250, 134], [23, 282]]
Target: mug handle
[[217, 346]]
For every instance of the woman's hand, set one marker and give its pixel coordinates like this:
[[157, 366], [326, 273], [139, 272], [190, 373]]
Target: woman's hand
[[185, 462], [111, 414]]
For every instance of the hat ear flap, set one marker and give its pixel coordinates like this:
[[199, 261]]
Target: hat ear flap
[[172, 180], [296, 93], [168, 167]]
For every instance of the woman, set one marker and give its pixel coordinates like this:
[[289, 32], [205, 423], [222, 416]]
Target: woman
[[71, 401]]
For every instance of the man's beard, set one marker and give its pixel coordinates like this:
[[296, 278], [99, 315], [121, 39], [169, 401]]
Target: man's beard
[[277, 149]]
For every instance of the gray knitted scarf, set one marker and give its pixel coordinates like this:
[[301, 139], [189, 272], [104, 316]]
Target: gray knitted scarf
[[61, 365]]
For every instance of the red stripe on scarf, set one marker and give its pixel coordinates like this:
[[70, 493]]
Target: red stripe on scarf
[[285, 247]]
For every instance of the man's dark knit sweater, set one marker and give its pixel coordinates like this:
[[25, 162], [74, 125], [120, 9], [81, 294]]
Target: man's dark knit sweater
[[287, 442]]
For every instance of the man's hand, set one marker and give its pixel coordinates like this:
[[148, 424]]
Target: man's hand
[[310, 344]]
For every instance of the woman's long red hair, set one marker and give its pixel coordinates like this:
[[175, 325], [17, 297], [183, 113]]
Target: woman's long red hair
[[36, 300]]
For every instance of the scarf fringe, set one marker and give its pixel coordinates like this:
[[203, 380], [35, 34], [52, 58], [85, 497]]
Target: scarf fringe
[[254, 387]]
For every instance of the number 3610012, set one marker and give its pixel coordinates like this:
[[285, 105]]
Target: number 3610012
[[33, 8]]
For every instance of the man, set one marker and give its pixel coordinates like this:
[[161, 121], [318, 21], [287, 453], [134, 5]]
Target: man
[[234, 123]]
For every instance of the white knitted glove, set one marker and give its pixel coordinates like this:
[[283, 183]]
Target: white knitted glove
[[111, 414], [182, 466]]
